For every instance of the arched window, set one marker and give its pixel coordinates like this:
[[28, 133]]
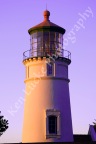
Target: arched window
[[52, 124]]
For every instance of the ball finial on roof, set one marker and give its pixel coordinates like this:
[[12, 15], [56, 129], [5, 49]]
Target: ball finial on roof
[[46, 15]]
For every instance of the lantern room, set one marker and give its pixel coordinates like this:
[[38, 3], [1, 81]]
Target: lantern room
[[46, 39]]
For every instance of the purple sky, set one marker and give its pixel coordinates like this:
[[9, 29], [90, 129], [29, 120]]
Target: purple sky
[[16, 17]]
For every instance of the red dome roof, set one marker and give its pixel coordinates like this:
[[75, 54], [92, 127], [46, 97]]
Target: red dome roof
[[47, 24]]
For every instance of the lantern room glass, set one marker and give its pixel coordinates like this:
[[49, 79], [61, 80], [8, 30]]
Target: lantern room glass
[[44, 43]]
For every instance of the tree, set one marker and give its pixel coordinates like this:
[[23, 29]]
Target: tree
[[3, 125]]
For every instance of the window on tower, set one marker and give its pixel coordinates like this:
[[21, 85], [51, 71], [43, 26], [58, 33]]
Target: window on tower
[[52, 123], [50, 69]]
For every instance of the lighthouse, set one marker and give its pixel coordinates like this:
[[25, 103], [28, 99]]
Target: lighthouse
[[47, 110]]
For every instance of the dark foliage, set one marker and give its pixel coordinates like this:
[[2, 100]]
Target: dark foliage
[[3, 125]]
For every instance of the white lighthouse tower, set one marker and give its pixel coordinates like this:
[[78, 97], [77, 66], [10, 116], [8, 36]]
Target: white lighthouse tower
[[47, 112]]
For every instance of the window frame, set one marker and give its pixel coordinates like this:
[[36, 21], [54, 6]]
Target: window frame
[[50, 69], [53, 112]]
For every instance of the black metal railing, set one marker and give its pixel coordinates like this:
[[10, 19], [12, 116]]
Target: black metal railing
[[46, 53]]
